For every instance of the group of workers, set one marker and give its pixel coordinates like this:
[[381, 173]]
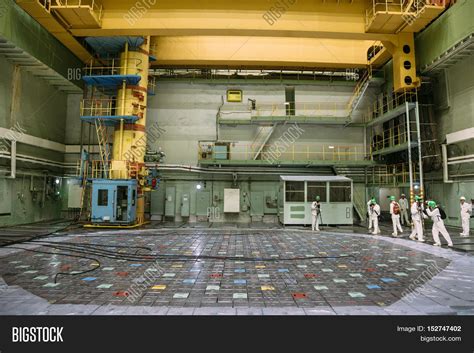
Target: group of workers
[[419, 211]]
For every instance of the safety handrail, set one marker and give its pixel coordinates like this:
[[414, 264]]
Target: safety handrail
[[391, 174], [300, 108], [115, 67], [109, 107], [296, 152], [412, 8], [358, 88], [389, 102]]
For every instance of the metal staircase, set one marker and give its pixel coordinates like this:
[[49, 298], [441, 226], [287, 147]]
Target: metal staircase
[[261, 138], [358, 176], [359, 90], [102, 139], [359, 200]]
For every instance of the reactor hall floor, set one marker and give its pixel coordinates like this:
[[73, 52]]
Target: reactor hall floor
[[185, 271]]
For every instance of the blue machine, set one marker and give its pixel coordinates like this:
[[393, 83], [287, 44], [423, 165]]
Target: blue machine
[[114, 201]]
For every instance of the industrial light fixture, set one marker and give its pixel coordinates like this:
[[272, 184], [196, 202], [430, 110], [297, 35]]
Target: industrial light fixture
[[57, 181], [199, 186], [331, 147]]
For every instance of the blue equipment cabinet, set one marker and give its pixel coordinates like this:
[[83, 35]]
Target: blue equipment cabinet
[[221, 151], [114, 201]]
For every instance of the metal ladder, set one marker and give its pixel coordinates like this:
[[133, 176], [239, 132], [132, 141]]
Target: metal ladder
[[104, 149], [359, 90], [261, 138]]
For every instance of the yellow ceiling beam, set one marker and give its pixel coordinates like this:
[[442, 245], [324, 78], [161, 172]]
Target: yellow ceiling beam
[[261, 52], [303, 19]]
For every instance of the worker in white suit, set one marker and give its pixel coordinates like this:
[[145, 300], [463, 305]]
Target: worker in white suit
[[404, 206], [368, 211], [315, 213], [417, 217], [466, 211], [374, 214], [395, 214], [438, 224]]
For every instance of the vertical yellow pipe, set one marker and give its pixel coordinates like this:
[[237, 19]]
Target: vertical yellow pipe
[[121, 137], [126, 58]]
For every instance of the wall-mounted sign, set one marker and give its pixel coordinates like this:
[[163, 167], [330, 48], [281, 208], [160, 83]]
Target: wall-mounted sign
[[234, 96]]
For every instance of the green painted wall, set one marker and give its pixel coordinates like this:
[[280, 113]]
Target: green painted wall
[[41, 112], [28, 206], [215, 185], [20, 28], [455, 24], [40, 109], [459, 92]]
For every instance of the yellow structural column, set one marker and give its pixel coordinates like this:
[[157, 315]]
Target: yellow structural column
[[404, 62], [129, 149]]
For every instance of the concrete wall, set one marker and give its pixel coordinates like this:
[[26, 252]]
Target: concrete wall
[[188, 114], [216, 203], [39, 110], [187, 111], [451, 27], [459, 92]]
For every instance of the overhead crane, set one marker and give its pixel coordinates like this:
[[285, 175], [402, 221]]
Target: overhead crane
[[326, 33]]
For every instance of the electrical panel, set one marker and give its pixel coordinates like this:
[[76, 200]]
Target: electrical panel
[[256, 203], [170, 201], [158, 202], [185, 205], [74, 195], [5, 197], [231, 200], [203, 199], [221, 151]]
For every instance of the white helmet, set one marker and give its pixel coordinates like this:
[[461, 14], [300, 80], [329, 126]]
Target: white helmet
[[462, 198]]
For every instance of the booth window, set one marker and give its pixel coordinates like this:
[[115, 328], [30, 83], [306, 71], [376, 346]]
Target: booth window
[[316, 188], [103, 197], [340, 192], [294, 191]]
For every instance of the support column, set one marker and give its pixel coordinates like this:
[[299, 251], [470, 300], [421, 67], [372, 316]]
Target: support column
[[420, 157], [404, 62], [410, 164], [128, 158]]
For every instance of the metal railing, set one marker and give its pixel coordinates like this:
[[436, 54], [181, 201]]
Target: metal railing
[[151, 85], [114, 67], [302, 109], [46, 4], [386, 103], [374, 49], [95, 6], [295, 152], [359, 88], [391, 137], [98, 171], [382, 6], [394, 174], [110, 107], [412, 8]]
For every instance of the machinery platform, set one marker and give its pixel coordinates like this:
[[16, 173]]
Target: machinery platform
[[111, 80], [111, 120]]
